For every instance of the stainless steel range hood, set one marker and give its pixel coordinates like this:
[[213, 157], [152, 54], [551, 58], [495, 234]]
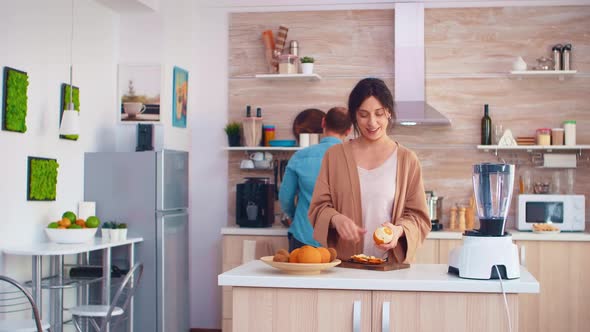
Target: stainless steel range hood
[[410, 102]]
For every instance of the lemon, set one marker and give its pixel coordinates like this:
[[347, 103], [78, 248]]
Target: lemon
[[70, 215], [92, 222]]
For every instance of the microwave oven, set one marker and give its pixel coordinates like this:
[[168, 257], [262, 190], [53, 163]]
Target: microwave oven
[[566, 212]]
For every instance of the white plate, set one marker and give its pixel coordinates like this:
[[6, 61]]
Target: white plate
[[299, 268]]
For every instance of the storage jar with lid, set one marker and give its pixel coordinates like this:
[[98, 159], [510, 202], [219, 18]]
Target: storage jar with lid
[[543, 136], [288, 64], [557, 136], [570, 132], [269, 134]]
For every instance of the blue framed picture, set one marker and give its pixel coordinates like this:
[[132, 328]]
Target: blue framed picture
[[179, 97]]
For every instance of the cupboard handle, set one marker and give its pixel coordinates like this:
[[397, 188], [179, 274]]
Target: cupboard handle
[[356, 316], [522, 255], [385, 317]]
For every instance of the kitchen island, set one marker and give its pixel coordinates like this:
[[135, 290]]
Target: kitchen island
[[422, 298]]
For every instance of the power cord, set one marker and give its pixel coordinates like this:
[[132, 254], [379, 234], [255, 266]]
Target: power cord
[[505, 299]]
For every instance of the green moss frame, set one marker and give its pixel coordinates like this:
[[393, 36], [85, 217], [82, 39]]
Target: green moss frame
[[41, 179], [64, 100], [14, 103]]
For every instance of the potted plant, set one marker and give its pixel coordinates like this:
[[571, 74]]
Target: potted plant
[[307, 65], [232, 130], [122, 230]]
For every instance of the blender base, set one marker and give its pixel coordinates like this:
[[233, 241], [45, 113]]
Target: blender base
[[477, 257]]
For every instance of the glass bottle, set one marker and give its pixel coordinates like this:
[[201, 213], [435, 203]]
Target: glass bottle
[[486, 127]]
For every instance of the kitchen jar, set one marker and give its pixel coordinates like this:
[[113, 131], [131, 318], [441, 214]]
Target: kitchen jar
[[543, 136], [557, 136], [288, 64], [556, 51], [269, 134], [570, 132], [566, 53]]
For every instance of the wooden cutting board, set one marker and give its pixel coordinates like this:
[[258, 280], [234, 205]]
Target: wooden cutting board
[[374, 267]]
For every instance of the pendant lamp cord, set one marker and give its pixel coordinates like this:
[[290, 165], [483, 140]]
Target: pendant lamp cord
[[71, 103]]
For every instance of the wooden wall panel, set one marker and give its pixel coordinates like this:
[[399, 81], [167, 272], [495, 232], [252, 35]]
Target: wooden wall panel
[[487, 40], [468, 51]]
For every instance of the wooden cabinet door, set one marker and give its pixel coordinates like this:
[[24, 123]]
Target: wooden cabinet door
[[428, 252], [310, 310], [442, 312], [563, 272], [445, 248]]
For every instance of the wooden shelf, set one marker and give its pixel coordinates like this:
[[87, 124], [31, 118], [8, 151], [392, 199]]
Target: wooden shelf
[[560, 74], [262, 148], [283, 77]]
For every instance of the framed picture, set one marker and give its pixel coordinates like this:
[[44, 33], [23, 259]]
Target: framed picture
[[14, 101], [179, 97], [64, 100], [139, 91], [41, 179]]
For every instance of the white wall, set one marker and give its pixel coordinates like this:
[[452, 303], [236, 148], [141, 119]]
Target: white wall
[[38, 42]]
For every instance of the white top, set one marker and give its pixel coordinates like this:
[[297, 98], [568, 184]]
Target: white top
[[377, 195], [417, 278], [51, 248]]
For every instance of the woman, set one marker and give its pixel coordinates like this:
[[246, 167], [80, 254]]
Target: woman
[[369, 182]]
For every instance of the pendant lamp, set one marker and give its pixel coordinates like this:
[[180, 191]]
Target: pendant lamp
[[70, 119]]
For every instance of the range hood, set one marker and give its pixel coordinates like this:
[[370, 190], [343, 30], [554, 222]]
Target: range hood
[[410, 102]]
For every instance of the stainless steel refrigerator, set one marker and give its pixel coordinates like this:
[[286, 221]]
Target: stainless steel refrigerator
[[148, 191]]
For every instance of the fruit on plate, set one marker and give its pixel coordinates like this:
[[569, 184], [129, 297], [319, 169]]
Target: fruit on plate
[[70, 215], [54, 224], [92, 222], [383, 235], [544, 228], [306, 254], [362, 258], [65, 222]]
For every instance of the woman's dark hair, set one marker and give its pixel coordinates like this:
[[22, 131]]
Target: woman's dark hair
[[337, 120], [370, 87]]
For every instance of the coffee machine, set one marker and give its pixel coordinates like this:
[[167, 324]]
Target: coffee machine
[[489, 253], [255, 202]]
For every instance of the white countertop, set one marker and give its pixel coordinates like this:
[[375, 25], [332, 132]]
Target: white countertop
[[51, 248], [417, 278], [445, 235]]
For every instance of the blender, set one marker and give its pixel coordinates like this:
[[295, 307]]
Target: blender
[[489, 253]]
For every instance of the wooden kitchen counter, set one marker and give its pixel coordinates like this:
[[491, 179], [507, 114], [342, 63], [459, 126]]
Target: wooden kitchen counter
[[422, 298]]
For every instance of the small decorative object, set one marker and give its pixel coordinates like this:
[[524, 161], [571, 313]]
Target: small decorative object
[[65, 100], [307, 65], [232, 130], [14, 103], [41, 179], [507, 139], [139, 91], [544, 63], [145, 141], [180, 97], [519, 64], [113, 231]]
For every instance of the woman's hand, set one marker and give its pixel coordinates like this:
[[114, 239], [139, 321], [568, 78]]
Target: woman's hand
[[347, 229], [398, 231]]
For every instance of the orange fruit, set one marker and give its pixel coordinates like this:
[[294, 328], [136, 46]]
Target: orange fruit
[[294, 255], [65, 222], [61, 227], [383, 235], [309, 255], [333, 254], [325, 253], [81, 223]]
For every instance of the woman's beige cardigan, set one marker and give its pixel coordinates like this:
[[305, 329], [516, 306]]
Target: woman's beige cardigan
[[337, 190]]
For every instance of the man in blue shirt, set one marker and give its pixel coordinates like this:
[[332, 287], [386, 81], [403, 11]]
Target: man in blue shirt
[[301, 173]]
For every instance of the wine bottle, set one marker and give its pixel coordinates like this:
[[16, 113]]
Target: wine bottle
[[486, 127]]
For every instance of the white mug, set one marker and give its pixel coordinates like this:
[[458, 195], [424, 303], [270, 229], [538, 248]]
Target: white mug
[[268, 156], [247, 163], [257, 156], [304, 140], [132, 109]]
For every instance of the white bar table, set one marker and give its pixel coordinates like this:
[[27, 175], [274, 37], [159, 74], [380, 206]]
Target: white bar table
[[57, 251]]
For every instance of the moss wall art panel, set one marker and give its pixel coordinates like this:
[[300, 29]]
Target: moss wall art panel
[[14, 102], [64, 100], [42, 179]]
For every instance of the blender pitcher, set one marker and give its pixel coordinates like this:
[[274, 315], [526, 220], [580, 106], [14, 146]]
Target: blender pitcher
[[493, 185]]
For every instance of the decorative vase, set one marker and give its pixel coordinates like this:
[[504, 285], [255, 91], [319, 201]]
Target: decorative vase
[[233, 140], [519, 64], [307, 68]]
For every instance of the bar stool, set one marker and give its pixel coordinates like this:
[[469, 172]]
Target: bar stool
[[12, 301]]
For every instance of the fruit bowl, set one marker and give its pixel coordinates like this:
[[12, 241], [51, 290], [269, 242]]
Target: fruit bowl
[[70, 236]]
